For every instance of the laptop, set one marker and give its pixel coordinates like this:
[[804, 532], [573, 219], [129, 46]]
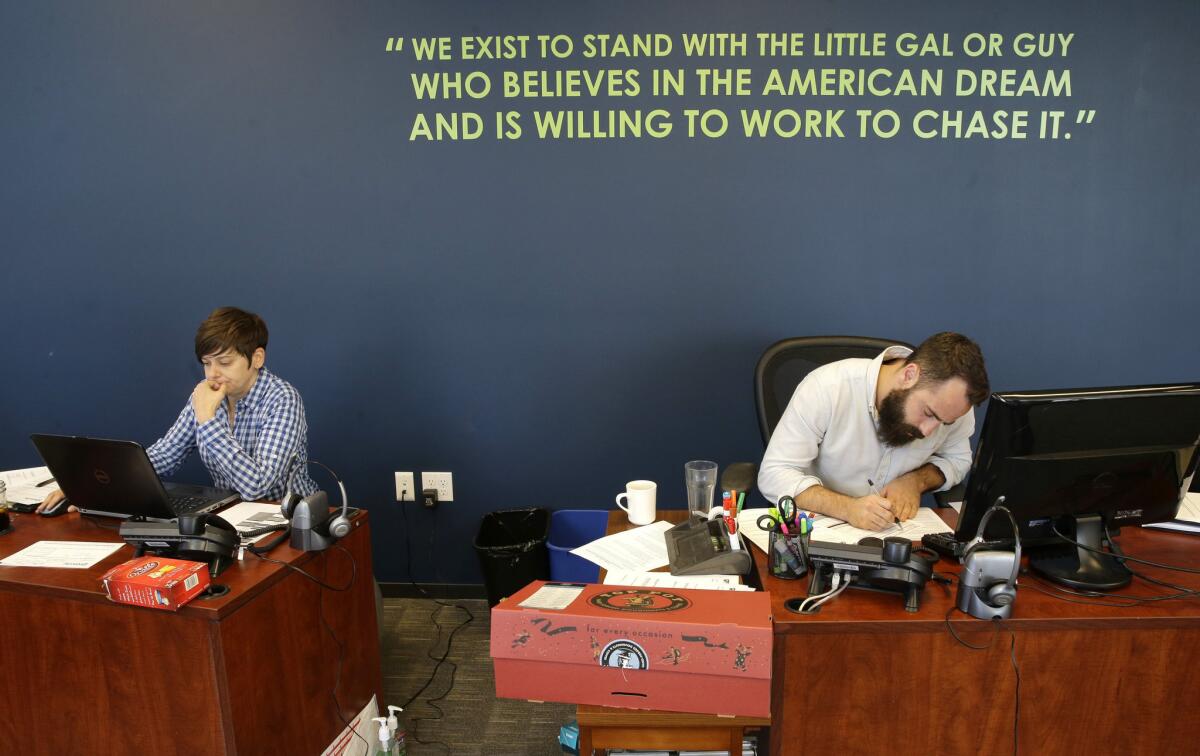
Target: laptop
[[115, 479]]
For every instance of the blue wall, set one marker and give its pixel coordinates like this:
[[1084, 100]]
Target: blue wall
[[550, 319]]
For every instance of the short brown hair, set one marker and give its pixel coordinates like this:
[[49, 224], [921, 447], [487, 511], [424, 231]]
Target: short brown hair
[[948, 355], [231, 328]]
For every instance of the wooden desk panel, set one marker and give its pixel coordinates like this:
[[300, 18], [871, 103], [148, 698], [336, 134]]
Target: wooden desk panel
[[250, 672], [1097, 679]]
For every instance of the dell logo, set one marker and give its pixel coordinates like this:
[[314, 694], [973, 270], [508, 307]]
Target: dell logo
[[101, 476]]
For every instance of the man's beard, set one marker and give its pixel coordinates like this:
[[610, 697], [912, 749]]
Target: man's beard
[[892, 430]]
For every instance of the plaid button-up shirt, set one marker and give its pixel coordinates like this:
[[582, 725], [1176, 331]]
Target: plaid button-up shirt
[[257, 455]]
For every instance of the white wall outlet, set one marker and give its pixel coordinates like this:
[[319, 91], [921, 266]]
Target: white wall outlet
[[442, 481], [405, 490]]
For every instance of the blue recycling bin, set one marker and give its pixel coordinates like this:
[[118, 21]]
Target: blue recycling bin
[[570, 529]]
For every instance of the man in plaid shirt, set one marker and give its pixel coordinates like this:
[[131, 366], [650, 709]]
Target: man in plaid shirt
[[247, 423]]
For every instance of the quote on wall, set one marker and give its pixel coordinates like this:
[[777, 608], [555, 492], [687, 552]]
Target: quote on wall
[[781, 85]]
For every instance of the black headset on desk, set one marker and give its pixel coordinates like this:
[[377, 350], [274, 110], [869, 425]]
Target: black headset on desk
[[987, 587], [312, 528]]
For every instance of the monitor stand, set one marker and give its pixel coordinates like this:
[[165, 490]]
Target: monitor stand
[[1080, 568]]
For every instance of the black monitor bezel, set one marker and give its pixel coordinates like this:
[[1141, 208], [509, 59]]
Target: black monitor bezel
[[1036, 529]]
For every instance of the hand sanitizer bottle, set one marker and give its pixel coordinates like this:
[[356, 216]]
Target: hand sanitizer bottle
[[399, 747], [385, 738]]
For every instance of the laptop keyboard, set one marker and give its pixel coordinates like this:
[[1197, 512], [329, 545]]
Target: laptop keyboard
[[188, 504]]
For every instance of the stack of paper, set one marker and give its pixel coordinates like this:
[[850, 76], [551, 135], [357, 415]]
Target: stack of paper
[[832, 530], [1188, 519], [667, 580], [639, 550], [28, 486]]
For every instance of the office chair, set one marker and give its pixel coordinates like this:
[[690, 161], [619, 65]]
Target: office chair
[[787, 362]]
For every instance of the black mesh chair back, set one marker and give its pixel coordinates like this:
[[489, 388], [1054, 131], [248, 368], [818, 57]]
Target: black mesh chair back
[[785, 363]]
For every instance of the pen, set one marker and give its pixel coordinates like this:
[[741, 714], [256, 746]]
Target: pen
[[45, 482], [741, 501], [875, 491]]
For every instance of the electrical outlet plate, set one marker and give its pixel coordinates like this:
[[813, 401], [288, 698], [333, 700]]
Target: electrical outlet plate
[[442, 481], [405, 490]]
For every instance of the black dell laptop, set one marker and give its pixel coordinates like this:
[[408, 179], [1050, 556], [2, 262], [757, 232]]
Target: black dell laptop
[[115, 479]]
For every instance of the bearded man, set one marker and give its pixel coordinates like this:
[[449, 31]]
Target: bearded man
[[861, 439]]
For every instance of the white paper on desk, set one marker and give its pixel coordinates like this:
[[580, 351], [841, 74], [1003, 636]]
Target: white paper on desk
[[667, 580], [71, 554], [23, 485], [640, 549], [833, 530], [251, 515], [1188, 519], [747, 525]]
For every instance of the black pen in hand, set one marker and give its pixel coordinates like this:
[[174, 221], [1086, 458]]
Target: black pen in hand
[[878, 493]]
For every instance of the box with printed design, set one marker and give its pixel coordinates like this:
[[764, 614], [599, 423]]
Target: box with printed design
[[640, 648], [156, 582]]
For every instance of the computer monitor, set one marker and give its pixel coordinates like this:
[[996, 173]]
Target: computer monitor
[[1081, 461]]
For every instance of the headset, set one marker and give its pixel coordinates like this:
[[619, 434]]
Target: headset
[[987, 587], [312, 528]]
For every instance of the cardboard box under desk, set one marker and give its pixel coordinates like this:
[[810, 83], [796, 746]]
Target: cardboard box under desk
[[638, 648]]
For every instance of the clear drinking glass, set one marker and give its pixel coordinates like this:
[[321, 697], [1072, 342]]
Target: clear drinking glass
[[701, 478]]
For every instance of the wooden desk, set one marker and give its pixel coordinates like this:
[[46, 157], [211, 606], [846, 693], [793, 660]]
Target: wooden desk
[[605, 727], [864, 676], [253, 672]]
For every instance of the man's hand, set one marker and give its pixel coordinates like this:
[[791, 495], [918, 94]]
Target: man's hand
[[871, 512], [205, 399], [53, 498], [905, 494]]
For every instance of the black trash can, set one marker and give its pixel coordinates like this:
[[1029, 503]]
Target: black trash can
[[511, 545]]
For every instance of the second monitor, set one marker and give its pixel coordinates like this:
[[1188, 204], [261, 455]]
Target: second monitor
[[1082, 462]]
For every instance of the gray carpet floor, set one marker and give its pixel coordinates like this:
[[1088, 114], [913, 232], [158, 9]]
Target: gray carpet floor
[[472, 719]]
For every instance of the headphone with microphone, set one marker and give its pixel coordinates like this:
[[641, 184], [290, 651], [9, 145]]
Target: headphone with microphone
[[312, 527], [987, 587]]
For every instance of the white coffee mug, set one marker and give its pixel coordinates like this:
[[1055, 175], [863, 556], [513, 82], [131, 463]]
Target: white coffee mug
[[640, 497]]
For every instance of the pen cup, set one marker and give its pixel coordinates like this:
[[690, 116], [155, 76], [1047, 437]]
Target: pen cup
[[788, 555]]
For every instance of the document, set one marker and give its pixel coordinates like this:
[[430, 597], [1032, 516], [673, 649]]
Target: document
[[639, 550], [747, 526], [832, 530], [71, 554], [1188, 519], [251, 515], [667, 580], [28, 486]]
